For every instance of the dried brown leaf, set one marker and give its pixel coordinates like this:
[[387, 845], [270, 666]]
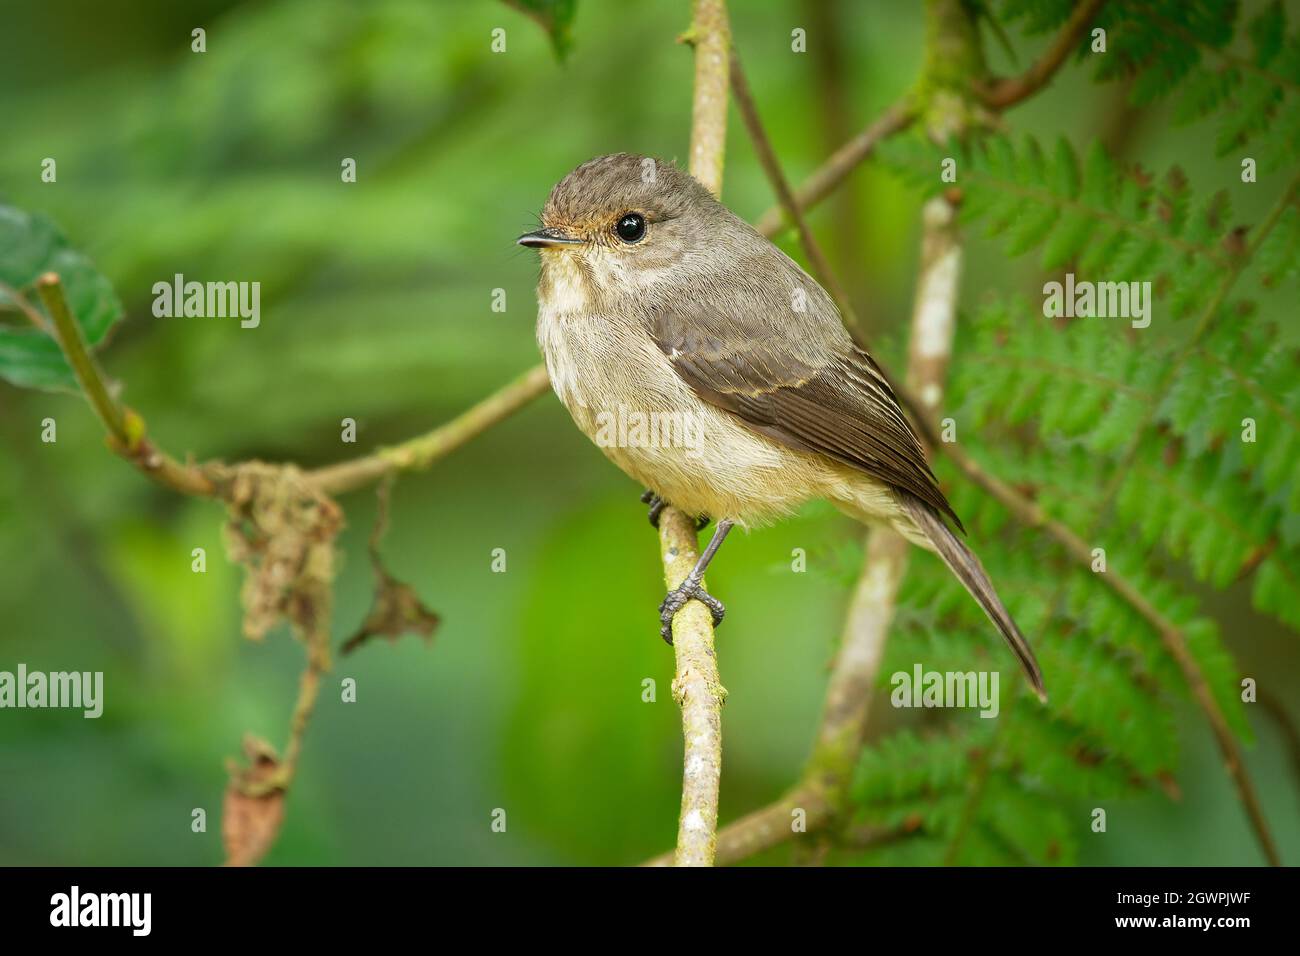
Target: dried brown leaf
[[254, 804]]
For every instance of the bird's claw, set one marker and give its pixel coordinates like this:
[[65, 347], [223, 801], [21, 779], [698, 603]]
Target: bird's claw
[[676, 600], [657, 506]]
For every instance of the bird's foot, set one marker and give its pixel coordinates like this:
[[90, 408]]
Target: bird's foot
[[676, 600], [657, 506]]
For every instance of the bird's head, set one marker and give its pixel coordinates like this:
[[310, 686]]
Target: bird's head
[[619, 224]]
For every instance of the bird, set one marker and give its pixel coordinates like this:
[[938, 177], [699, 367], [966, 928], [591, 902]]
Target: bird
[[658, 305]]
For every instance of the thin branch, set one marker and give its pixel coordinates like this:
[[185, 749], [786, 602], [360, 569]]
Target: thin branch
[[127, 436], [850, 689], [834, 89], [126, 429], [697, 687], [853, 678], [804, 808], [68, 334], [253, 808], [698, 691], [423, 450], [772, 167], [843, 161], [318, 665], [1257, 556], [710, 34], [1008, 91]]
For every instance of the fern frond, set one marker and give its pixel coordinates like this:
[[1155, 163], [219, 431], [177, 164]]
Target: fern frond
[[1186, 49], [1094, 214]]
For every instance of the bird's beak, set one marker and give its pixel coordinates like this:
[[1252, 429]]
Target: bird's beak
[[546, 239]]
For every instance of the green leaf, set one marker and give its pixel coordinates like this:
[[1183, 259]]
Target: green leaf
[[555, 17], [1183, 48], [1205, 92], [1066, 241], [31, 359], [1267, 31], [1255, 105], [1276, 254], [1064, 173], [1275, 589], [1100, 177], [31, 245]]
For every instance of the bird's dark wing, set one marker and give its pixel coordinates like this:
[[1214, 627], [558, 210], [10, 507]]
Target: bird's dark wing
[[826, 396]]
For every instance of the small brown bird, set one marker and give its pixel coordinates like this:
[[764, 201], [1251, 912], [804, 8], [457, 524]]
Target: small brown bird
[[713, 370]]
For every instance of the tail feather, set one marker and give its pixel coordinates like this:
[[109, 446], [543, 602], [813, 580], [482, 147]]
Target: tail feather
[[966, 566]]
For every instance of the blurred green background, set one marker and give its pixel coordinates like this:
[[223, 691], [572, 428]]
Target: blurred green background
[[376, 305]]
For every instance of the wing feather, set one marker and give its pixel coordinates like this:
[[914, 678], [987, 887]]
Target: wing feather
[[828, 396]]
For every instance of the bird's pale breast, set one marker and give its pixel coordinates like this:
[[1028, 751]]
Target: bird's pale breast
[[624, 395]]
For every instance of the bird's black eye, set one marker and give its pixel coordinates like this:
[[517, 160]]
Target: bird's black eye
[[631, 227]]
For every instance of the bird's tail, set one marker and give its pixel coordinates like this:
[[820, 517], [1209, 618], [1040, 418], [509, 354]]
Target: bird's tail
[[963, 563]]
